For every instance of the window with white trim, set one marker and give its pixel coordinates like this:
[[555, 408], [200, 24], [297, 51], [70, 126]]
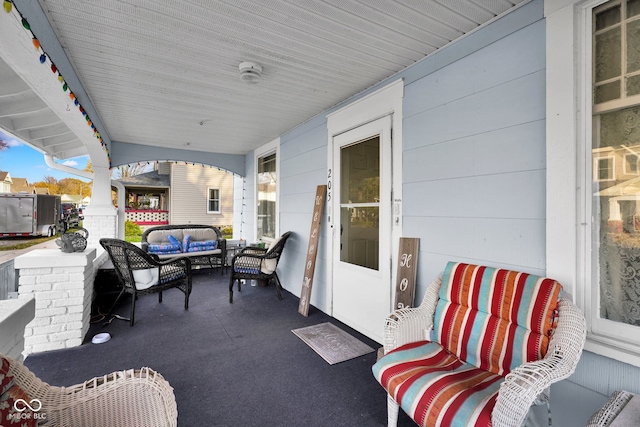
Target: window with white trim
[[615, 190], [213, 200], [267, 191], [631, 162]]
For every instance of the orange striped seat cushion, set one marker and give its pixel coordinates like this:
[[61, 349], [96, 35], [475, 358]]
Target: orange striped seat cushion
[[435, 388]]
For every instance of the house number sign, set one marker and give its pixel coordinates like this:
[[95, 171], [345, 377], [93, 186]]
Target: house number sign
[[407, 271], [312, 251]]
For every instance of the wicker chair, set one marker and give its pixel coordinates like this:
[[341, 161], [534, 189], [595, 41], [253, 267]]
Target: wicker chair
[[131, 398], [141, 273], [524, 386], [254, 263]]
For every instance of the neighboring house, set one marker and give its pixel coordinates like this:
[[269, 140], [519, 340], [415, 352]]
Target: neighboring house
[[21, 185], [5, 182], [15, 185], [180, 194], [42, 190]]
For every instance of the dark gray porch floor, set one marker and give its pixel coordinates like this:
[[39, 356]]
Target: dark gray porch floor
[[229, 364], [240, 365]]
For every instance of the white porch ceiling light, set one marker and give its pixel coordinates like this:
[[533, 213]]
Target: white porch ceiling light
[[250, 72]]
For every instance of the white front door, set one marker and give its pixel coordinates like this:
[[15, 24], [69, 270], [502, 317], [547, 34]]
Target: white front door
[[362, 227]]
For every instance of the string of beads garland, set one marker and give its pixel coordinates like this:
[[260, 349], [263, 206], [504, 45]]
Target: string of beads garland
[[8, 7]]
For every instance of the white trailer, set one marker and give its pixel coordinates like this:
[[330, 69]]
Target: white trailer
[[23, 214]]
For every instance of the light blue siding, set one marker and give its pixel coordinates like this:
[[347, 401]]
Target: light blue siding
[[473, 161], [473, 177]]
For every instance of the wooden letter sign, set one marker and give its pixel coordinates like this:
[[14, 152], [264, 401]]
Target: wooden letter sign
[[407, 271], [310, 264]]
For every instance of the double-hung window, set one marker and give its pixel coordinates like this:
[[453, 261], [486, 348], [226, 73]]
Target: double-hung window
[[615, 191], [593, 175], [267, 185], [213, 200]]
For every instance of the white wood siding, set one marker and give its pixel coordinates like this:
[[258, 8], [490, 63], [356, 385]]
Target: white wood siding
[[188, 195]]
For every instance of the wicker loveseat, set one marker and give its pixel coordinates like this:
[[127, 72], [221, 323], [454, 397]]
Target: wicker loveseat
[[203, 244], [132, 398], [484, 345]]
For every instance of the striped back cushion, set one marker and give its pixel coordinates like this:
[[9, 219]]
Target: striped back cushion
[[495, 319]]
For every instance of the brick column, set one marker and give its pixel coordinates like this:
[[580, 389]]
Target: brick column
[[100, 222], [62, 285]]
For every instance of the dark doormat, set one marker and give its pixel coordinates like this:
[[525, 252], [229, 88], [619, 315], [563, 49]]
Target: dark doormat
[[332, 343]]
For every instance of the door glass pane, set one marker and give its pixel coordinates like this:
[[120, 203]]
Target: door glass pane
[[616, 209], [360, 172], [360, 203], [267, 196]]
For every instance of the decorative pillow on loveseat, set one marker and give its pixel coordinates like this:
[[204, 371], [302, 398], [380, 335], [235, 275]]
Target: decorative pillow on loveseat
[[165, 248], [209, 244], [186, 241], [173, 240], [201, 248]]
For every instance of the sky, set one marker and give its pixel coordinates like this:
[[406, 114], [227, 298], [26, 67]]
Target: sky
[[22, 161]]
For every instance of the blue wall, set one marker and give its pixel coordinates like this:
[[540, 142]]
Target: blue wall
[[474, 172], [474, 158], [473, 162]]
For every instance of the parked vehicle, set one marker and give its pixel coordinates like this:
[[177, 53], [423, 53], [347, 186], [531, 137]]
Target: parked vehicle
[[23, 214], [69, 216], [81, 211]]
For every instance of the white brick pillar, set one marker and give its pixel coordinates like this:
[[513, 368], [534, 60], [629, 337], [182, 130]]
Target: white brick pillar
[[62, 285], [101, 217], [100, 222]]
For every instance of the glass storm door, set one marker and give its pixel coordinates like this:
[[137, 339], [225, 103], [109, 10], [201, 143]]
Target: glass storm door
[[362, 227]]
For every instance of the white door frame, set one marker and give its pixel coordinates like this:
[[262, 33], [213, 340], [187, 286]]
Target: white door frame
[[382, 102]]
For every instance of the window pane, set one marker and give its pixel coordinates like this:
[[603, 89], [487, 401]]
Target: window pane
[[359, 241], [633, 85], [214, 200], [360, 172], [633, 46], [633, 8], [608, 17], [360, 192], [616, 210], [607, 55], [267, 197], [607, 92], [631, 164]]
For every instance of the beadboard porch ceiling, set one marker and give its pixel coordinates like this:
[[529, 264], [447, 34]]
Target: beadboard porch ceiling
[[165, 73]]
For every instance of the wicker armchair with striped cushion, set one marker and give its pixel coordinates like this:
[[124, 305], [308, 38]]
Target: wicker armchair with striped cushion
[[484, 345], [132, 398]]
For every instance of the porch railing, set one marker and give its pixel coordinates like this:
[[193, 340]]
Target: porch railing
[[147, 216]]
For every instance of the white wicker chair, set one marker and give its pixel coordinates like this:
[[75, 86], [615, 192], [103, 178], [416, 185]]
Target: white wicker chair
[[132, 398], [523, 385]]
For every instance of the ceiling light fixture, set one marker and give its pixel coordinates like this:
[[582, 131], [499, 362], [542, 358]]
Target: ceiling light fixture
[[250, 72]]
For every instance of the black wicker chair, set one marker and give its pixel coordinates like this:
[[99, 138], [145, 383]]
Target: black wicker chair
[[255, 263], [141, 273]]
